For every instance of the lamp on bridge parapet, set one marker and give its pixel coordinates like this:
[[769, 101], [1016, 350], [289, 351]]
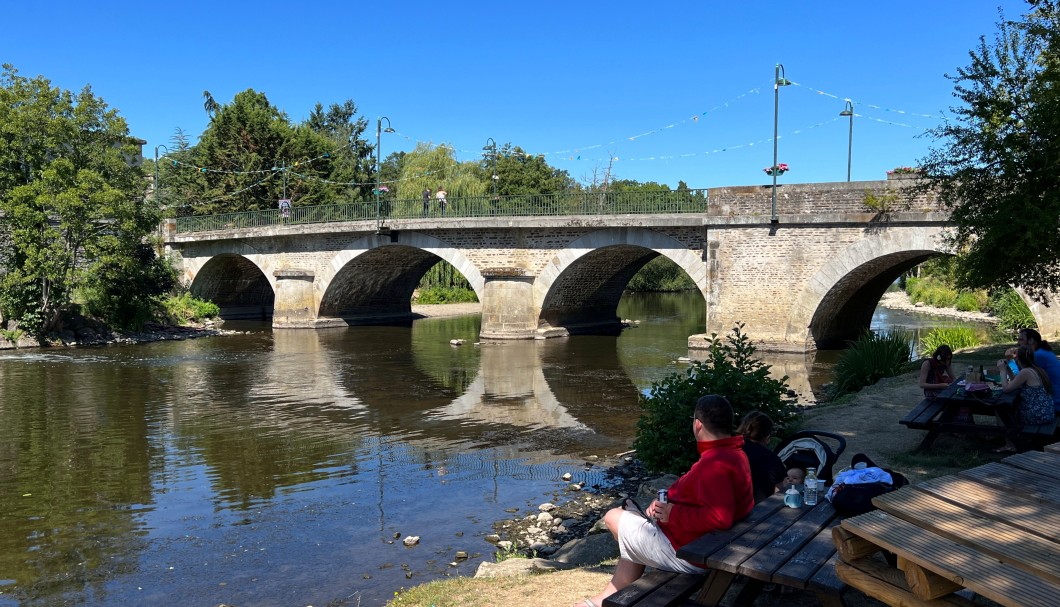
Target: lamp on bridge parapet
[[155, 185], [779, 80], [848, 111], [491, 147], [379, 130]]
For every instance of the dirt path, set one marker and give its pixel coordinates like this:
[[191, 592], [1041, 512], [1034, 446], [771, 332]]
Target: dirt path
[[453, 309]]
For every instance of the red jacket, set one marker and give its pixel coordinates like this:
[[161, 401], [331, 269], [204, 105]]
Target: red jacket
[[713, 494]]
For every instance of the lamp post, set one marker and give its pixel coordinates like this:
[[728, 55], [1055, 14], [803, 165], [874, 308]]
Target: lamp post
[[491, 147], [779, 80], [379, 130], [156, 170], [848, 111]]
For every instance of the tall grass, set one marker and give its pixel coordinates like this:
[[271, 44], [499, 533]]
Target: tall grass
[[869, 359], [954, 337], [1012, 312]]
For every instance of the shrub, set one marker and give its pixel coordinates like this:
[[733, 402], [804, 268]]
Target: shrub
[[971, 301], [183, 308], [664, 440], [869, 359], [931, 292], [1012, 312], [954, 337]]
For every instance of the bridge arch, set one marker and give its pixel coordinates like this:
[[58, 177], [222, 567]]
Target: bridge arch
[[375, 276], [240, 282], [838, 302], [581, 286]]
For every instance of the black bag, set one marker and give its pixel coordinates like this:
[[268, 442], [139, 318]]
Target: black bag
[[854, 499]]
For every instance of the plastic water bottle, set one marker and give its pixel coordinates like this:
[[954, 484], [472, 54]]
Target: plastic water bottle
[[810, 497]]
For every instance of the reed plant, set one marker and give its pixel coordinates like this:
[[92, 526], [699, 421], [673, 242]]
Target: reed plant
[[956, 338], [1012, 312], [869, 359]]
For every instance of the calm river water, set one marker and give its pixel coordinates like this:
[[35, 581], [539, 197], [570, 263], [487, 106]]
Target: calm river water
[[277, 468]]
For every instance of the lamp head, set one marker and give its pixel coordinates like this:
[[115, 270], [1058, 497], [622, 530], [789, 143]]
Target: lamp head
[[848, 110], [846, 113], [389, 130]]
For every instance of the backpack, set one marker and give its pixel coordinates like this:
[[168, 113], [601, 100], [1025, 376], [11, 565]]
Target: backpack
[[850, 499]]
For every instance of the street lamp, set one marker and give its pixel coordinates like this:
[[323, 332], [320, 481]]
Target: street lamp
[[379, 130], [779, 80], [491, 147], [848, 111], [156, 170]]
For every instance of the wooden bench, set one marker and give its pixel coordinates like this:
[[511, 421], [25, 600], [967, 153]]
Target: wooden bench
[[994, 529], [935, 416], [774, 544]]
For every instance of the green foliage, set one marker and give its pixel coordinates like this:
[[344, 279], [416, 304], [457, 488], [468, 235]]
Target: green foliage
[[954, 337], [126, 290], [1011, 311], [444, 295], [73, 199], [12, 335], [661, 274], [881, 203], [931, 292], [975, 301], [869, 359], [664, 439], [995, 165], [183, 308], [432, 167]]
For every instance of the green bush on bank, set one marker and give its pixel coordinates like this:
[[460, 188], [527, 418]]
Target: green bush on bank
[[182, 309], [869, 359], [936, 292], [664, 439], [954, 337]]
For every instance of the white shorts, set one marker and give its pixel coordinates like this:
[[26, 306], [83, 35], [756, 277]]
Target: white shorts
[[640, 541]]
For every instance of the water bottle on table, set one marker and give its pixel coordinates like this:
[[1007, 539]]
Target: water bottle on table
[[810, 497]]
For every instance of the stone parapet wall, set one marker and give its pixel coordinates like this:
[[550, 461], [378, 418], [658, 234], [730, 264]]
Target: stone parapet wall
[[816, 198]]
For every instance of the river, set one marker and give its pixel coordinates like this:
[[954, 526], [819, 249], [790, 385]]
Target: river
[[285, 468]]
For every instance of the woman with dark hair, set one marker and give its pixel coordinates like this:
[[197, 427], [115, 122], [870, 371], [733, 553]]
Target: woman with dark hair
[[936, 374], [767, 471], [1045, 359], [1036, 403]]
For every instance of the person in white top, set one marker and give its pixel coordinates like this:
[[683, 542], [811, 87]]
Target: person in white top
[[441, 199]]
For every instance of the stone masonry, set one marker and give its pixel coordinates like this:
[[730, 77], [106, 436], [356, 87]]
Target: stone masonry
[[811, 279]]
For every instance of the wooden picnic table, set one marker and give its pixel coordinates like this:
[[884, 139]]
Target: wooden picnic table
[[940, 414], [774, 544], [994, 530]]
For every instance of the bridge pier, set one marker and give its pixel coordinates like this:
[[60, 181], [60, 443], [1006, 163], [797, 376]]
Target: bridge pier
[[295, 304], [508, 306]]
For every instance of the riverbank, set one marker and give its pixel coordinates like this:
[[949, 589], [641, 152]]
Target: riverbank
[[94, 334], [868, 420], [445, 310], [899, 300]]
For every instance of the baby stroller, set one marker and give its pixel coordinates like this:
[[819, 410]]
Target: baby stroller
[[806, 449]]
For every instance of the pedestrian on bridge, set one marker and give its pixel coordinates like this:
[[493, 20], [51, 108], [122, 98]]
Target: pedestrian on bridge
[[426, 201], [441, 199]]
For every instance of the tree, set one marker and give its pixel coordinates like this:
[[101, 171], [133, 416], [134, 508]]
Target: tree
[[251, 155], [352, 164], [521, 174], [998, 168], [436, 166], [72, 199]]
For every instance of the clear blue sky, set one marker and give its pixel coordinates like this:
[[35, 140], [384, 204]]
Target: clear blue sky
[[576, 81]]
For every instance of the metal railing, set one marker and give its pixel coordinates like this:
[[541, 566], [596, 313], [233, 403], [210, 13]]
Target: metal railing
[[574, 203]]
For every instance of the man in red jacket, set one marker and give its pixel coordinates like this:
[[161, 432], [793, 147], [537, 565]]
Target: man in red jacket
[[712, 495]]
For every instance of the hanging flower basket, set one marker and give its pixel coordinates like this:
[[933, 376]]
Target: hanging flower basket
[[777, 170]]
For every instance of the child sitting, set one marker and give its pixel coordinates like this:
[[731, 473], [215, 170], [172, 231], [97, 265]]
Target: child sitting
[[796, 477]]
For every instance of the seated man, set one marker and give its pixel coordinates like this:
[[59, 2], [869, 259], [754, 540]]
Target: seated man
[[712, 495]]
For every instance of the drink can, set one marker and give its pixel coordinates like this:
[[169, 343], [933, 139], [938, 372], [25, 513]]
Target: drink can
[[663, 493]]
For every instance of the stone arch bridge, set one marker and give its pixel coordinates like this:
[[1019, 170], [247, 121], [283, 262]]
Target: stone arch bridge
[[811, 279]]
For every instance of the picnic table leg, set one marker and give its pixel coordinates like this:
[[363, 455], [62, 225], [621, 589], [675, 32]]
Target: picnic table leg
[[750, 591], [714, 588], [929, 439]]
